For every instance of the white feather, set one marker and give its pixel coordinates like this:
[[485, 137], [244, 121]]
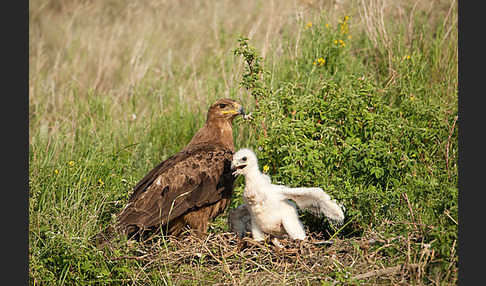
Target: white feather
[[269, 205]]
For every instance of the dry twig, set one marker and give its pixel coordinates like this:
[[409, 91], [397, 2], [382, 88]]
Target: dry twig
[[385, 271]]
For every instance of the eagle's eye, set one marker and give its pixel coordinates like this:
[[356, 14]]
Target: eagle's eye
[[222, 105], [244, 159]]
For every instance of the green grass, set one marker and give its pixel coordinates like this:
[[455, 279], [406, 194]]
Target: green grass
[[375, 125]]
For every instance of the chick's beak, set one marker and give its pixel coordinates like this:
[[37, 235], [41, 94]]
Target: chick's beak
[[234, 170]]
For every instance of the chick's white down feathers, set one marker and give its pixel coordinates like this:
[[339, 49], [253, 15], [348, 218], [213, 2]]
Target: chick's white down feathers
[[270, 208]]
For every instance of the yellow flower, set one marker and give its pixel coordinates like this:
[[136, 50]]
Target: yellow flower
[[309, 25], [265, 168], [71, 163], [321, 61], [407, 57], [343, 44], [346, 18], [327, 26], [344, 27], [412, 97], [100, 182], [56, 171]]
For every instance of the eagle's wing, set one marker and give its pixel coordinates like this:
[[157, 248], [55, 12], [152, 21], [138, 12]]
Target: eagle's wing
[[314, 200], [184, 182]]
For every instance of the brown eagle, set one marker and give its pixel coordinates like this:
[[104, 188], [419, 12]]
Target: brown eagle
[[189, 188]]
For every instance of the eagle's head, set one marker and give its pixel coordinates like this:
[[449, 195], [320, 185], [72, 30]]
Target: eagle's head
[[226, 109], [244, 161]]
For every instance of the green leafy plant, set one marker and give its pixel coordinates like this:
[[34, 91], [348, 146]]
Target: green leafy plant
[[336, 130]]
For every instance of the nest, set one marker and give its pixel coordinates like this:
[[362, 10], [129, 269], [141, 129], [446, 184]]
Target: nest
[[224, 259]]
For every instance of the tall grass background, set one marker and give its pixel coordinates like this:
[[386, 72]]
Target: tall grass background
[[115, 87]]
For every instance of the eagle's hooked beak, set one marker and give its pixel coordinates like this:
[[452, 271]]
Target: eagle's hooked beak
[[239, 110]]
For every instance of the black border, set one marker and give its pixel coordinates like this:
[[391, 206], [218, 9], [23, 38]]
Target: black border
[[15, 140], [470, 131]]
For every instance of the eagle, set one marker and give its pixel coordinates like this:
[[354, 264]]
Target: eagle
[[269, 208], [188, 189]]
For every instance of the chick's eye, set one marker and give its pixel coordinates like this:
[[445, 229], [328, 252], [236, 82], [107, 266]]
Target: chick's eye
[[222, 105], [244, 159]]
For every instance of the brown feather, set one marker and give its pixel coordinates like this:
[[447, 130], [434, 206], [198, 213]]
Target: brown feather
[[191, 187]]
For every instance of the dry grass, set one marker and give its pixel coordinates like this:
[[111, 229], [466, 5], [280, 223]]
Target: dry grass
[[375, 18], [223, 259], [179, 50], [112, 46], [144, 57]]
